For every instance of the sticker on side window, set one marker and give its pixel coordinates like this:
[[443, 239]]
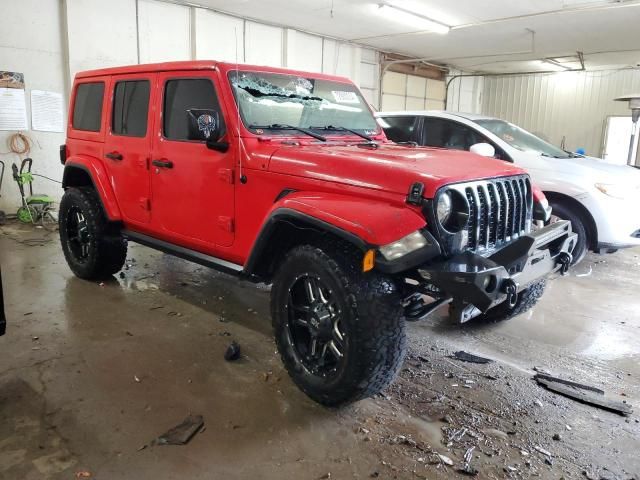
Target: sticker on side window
[[345, 97]]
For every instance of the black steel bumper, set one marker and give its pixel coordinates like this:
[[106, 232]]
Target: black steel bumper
[[476, 283]]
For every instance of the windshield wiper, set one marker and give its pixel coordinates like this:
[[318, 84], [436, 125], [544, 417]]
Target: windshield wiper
[[343, 129], [553, 156], [284, 126]]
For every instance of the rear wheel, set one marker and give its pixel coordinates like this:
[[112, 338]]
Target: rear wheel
[[561, 211], [340, 332], [93, 247]]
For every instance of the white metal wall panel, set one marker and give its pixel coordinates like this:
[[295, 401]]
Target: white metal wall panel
[[303, 51], [31, 43], [218, 37], [573, 105], [164, 31], [341, 59], [264, 44], [90, 46]]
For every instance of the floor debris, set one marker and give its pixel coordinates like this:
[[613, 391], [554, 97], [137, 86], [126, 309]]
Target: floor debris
[[583, 393], [233, 352], [183, 433], [471, 358]]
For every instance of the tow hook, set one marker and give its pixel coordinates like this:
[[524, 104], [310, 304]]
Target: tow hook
[[564, 259], [511, 289]]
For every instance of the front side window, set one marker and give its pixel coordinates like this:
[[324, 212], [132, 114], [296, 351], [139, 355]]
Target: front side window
[[275, 99], [399, 129], [87, 107], [130, 108], [521, 139], [443, 133], [184, 94]]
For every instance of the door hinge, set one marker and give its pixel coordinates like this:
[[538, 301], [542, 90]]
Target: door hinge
[[226, 175], [145, 203], [226, 223]]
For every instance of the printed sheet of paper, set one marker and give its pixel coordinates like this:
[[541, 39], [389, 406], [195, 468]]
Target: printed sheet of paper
[[13, 109], [46, 111]]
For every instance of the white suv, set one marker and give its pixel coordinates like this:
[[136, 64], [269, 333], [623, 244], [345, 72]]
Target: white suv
[[600, 199]]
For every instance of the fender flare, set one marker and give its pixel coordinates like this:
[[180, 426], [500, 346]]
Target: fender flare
[[362, 222], [99, 179]]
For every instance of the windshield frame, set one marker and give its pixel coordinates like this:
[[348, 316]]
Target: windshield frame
[[551, 152], [288, 132]]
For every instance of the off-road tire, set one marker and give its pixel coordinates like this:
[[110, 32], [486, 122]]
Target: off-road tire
[[107, 250], [526, 301], [372, 316], [565, 212]]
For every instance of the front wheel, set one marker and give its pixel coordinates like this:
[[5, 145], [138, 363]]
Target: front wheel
[[93, 248], [340, 332]]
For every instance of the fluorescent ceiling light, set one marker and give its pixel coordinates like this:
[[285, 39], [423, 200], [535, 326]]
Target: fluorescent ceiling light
[[408, 17]]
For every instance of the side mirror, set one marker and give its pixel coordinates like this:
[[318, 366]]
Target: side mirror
[[483, 149], [204, 125]]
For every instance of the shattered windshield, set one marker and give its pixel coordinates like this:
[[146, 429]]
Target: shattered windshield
[[521, 139], [281, 102]]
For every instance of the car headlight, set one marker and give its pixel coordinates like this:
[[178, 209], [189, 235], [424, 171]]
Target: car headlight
[[452, 210], [412, 242], [443, 207], [621, 192]]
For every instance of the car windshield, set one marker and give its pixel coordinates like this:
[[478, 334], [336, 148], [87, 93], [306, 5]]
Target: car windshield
[[521, 139], [282, 102]]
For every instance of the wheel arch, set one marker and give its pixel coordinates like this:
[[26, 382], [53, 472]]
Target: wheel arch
[[582, 211], [286, 228], [84, 172]]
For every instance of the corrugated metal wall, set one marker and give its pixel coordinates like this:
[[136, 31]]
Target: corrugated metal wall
[[574, 105]]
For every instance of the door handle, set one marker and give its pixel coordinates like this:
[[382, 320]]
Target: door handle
[[162, 163], [114, 156]]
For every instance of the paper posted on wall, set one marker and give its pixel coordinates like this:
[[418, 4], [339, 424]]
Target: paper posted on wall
[[13, 109], [46, 111]]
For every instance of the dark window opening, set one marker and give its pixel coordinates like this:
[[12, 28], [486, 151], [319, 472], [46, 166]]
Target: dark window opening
[[181, 95], [447, 134], [87, 108], [399, 129], [131, 108]]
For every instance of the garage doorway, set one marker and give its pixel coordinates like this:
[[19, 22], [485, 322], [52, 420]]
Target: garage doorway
[[617, 135]]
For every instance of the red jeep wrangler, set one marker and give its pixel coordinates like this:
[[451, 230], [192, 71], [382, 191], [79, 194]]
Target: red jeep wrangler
[[284, 177]]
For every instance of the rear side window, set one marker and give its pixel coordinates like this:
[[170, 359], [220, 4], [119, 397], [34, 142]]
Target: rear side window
[[87, 108], [184, 94], [452, 135], [130, 108], [400, 129]]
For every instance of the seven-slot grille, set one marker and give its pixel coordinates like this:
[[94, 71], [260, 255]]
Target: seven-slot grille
[[499, 210]]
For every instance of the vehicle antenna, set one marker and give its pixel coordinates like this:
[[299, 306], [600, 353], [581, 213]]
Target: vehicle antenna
[[243, 178]]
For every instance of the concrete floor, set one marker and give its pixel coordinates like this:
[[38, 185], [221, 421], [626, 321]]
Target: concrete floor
[[90, 373]]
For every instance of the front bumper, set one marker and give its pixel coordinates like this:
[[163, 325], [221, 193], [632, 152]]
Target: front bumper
[[617, 221], [476, 283]]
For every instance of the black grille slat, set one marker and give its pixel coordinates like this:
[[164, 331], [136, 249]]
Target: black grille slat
[[472, 226], [494, 200]]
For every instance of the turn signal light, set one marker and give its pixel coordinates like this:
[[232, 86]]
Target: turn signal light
[[369, 260]]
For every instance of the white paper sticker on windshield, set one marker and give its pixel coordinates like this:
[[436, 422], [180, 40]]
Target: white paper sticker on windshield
[[345, 97]]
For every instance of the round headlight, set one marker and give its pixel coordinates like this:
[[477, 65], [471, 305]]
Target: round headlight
[[443, 208], [452, 210]]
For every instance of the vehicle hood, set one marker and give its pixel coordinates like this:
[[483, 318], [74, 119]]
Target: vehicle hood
[[389, 167], [590, 169]]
